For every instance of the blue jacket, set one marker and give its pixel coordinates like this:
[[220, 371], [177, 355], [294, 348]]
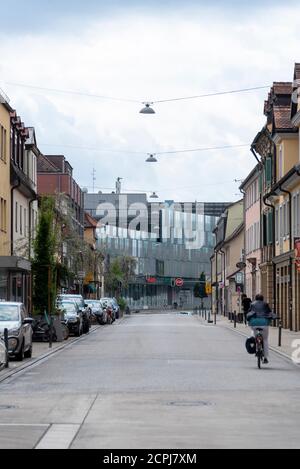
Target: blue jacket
[[260, 314]]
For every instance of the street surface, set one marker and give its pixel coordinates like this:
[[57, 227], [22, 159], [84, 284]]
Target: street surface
[[153, 381]]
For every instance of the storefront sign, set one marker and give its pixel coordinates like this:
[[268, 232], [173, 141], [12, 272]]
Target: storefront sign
[[297, 253]]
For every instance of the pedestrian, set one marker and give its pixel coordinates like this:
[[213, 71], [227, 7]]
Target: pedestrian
[[246, 303]]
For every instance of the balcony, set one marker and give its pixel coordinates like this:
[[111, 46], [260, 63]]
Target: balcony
[[25, 185]]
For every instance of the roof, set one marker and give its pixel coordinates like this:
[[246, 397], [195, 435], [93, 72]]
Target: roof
[[297, 71], [254, 174], [282, 118], [282, 87], [89, 221], [44, 165]]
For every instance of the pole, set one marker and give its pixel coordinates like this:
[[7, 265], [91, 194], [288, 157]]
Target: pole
[[235, 319], [279, 333], [49, 307], [6, 346]]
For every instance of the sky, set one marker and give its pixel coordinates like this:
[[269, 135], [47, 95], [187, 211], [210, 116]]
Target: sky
[[148, 53]]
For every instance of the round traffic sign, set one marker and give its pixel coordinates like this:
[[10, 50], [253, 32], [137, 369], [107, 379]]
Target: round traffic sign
[[179, 282]]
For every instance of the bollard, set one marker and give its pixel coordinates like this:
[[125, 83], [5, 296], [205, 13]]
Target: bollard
[[6, 346], [279, 334], [235, 318], [205, 315]]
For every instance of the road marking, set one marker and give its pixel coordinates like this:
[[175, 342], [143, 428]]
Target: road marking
[[58, 437]]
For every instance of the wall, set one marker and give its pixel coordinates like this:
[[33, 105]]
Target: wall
[[5, 184]]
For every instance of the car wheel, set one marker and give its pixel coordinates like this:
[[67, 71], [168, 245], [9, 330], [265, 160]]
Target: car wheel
[[28, 354], [20, 355]]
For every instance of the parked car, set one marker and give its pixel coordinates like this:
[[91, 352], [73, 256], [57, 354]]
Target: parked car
[[72, 315], [83, 307], [117, 308], [14, 318], [97, 311], [107, 305]]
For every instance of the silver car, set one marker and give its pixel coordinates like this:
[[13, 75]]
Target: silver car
[[14, 318]]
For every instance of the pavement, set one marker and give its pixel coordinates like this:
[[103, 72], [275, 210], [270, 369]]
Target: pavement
[[153, 381], [290, 341]]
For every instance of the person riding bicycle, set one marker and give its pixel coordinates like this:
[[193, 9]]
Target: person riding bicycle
[[259, 317]]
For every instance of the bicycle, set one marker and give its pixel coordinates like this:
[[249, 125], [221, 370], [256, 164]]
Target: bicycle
[[259, 342]]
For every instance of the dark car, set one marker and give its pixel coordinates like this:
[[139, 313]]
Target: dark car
[[97, 311], [83, 307], [72, 316]]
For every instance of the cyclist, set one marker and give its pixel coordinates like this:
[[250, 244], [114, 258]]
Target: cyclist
[[259, 317]]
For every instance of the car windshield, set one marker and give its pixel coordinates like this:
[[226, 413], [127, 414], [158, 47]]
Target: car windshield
[[9, 313], [67, 306]]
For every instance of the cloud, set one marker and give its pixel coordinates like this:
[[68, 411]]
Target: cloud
[[161, 54]]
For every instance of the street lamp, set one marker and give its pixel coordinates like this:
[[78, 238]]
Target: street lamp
[[151, 158], [147, 109]]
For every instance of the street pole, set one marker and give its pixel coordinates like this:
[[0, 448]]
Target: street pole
[[49, 306], [6, 346]]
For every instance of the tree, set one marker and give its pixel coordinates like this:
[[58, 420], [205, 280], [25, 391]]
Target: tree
[[43, 263], [118, 274]]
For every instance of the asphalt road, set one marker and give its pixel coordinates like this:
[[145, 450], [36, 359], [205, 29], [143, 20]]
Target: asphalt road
[[153, 381]]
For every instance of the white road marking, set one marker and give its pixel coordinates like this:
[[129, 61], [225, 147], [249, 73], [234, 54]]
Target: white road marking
[[58, 437]]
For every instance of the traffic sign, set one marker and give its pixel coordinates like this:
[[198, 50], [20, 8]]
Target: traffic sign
[[179, 282]]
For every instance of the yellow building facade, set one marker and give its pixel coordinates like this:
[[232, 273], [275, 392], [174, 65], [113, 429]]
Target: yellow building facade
[[5, 202]]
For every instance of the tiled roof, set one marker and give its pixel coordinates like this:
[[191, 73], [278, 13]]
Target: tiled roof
[[45, 166], [90, 222], [282, 118], [282, 87], [297, 71]]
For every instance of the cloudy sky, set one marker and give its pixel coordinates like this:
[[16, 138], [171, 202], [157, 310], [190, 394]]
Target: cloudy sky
[[162, 50]]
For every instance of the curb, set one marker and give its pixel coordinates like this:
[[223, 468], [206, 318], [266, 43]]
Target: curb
[[271, 347], [10, 373]]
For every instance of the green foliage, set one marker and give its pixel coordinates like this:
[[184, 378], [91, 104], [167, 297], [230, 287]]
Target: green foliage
[[43, 264], [118, 274], [122, 303]]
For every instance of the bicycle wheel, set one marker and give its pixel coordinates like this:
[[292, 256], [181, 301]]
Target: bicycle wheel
[[259, 360]]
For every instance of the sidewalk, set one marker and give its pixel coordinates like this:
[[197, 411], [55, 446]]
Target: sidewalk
[[287, 340]]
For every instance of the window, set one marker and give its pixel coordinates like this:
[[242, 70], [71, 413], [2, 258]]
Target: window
[[16, 217], [3, 143], [21, 219], [3, 215]]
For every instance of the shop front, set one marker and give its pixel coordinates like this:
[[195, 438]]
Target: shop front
[[15, 280]]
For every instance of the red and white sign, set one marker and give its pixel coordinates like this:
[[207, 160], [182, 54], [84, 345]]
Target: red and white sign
[[297, 253], [151, 280], [179, 282]]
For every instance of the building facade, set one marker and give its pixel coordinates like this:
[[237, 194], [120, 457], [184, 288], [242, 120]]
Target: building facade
[[252, 242], [5, 203], [226, 273]]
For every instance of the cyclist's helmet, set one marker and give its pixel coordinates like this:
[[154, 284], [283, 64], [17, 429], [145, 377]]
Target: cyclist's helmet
[[251, 345]]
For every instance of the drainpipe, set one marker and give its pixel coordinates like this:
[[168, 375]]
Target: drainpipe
[[291, 260], [224, 279], [255, 155], [274, 248], [14, 187]]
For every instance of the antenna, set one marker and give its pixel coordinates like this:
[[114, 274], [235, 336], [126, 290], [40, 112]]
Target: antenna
[[94, 179]]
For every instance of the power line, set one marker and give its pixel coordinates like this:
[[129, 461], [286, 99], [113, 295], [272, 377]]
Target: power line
[[219, 93], [188, 150], [72, 92], [97, 96]]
